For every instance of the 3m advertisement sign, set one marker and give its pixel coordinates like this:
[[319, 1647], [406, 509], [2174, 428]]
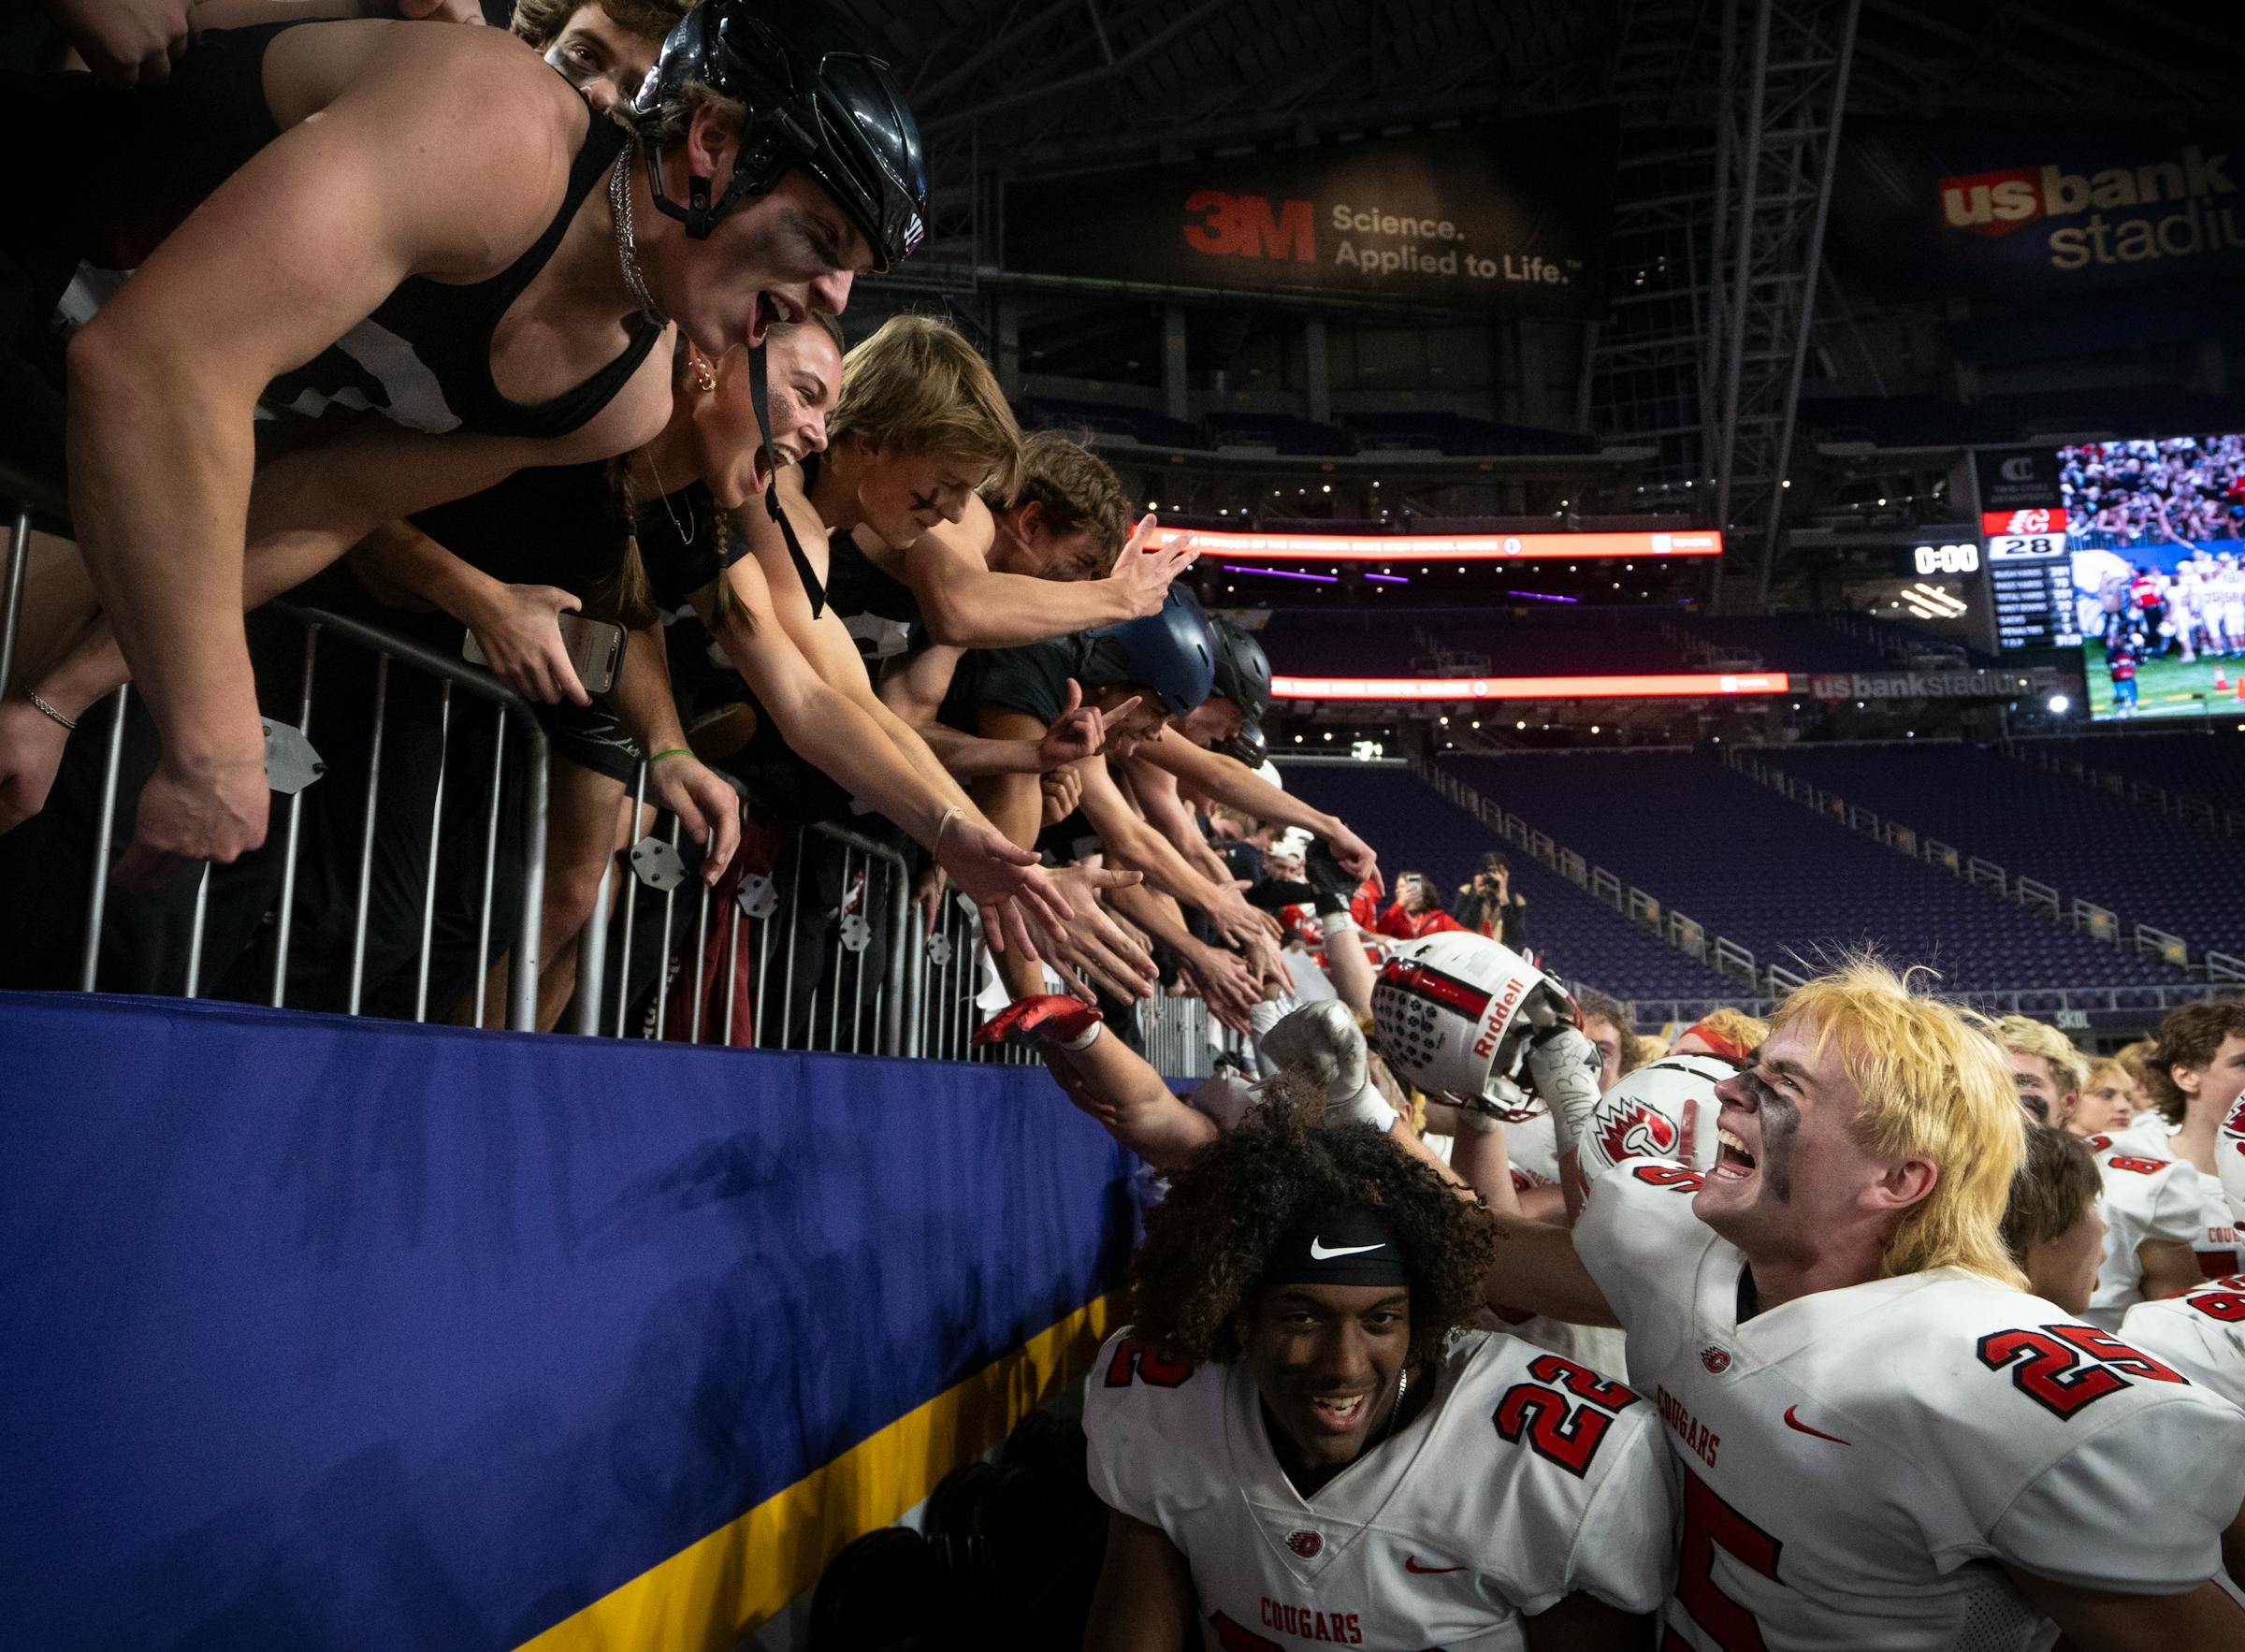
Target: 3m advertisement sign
[[1924, 208], [1506, 215]]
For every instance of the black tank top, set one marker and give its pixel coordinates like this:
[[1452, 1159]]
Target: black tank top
[[882, 614], [423, 359]]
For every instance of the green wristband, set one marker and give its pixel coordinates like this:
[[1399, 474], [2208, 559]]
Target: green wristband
[[675, 751]]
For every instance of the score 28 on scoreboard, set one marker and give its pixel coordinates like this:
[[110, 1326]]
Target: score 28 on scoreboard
[[2030, 577]]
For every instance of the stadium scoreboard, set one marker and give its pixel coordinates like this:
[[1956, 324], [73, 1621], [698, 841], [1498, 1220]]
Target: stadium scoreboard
[[2030, 579]]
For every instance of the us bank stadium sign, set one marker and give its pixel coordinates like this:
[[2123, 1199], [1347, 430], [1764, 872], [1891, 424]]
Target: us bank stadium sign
[[1934, 684]]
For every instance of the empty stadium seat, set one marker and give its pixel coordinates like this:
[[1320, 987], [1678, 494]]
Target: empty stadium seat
[[2146, 867], [1791, 886], [1416, 829]]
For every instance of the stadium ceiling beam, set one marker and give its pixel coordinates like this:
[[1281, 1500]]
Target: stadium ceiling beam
[[1786, 69], [2160, 16], [1081, 80], [2048, 22], [1008, 37], [1062, 152]]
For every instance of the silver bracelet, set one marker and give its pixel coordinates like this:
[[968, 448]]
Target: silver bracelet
[[941, 826], [46, 710]]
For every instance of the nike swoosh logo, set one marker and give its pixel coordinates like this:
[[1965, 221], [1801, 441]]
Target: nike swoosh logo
[[1410, 1563], [1799, 1427], [1320, 1254]]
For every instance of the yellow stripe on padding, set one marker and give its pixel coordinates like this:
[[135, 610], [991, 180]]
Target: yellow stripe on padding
[[740, 1576]]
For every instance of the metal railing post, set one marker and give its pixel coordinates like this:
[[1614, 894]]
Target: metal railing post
[[194, 988], [286, 913], [897, 977], [623, 952], [366, 839], [105, 834], [436, 836], [522, 968], [663, 959], [592, 953], [11, 603], [482, 920]]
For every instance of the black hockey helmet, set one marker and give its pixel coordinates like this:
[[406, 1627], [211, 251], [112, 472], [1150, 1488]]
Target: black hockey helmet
[[815, 99]]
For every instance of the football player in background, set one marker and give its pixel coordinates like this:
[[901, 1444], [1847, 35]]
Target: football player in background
[[2196, 1072], [2050, 1073], [1885, 1441], [1300, 1442], [2109, 1102], [2052, 1225]]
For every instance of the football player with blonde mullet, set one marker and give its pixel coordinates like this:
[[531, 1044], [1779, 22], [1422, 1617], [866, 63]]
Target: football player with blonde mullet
[[1886, 1443]]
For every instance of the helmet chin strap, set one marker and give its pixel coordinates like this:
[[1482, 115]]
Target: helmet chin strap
[[757, 395]]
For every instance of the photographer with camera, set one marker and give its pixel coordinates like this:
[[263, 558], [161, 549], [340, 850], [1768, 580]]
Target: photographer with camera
[[1488, 906]]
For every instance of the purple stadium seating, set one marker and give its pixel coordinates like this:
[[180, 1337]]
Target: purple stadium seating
[[2210, 768], [1789, 642], [1789, 885], [1546, 641], [1461, 435], [1281, 431], [1415, 829], [2147, 868]]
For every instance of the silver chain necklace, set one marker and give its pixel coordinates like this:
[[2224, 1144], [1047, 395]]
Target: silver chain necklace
[[619, 203]]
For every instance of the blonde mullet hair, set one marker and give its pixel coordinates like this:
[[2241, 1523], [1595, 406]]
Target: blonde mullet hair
[[917, 386], [1931, 1083]]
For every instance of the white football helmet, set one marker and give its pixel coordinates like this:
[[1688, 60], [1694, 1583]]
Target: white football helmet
[[1663, 1110], [1452, 1012]]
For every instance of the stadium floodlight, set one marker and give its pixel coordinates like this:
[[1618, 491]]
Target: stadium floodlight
[[2060, 705]]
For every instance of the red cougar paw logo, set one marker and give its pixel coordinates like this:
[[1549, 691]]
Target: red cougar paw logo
[[1638, 1133], [1304, 1543]]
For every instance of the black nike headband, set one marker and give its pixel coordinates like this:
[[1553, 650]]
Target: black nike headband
[[1338, 1246]]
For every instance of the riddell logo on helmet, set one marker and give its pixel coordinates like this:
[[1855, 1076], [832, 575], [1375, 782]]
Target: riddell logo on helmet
[[1638, 1132], [1997, 203], [1498, 1017]]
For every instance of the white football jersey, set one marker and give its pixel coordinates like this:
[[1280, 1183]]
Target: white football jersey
[[2202, 1335], [1533, 1148], [1534, 1152], [1855, 1461], [1526, 1479], [2146, 1197], [2212, 1235]]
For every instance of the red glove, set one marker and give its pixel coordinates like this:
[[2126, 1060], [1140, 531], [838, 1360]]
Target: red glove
[[1047, 1019]]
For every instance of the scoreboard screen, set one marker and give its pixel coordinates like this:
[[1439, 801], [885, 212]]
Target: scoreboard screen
[[2030, 578]]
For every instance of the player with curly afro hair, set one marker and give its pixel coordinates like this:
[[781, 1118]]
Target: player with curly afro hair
[[1300, 1385], [1213, 1257]]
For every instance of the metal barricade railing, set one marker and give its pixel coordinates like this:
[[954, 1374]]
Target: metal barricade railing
[[450, 673], [28, 502], [923, 993], [807, 944]]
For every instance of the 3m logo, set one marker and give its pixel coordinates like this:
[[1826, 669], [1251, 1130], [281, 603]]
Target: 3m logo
[[1997, 203], [1246, 227]]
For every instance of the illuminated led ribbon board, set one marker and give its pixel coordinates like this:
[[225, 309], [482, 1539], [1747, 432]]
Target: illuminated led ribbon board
[[1681, 686], [1457, 547]]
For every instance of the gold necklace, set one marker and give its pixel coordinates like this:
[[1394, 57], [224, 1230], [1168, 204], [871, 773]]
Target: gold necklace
[[690, 526]]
